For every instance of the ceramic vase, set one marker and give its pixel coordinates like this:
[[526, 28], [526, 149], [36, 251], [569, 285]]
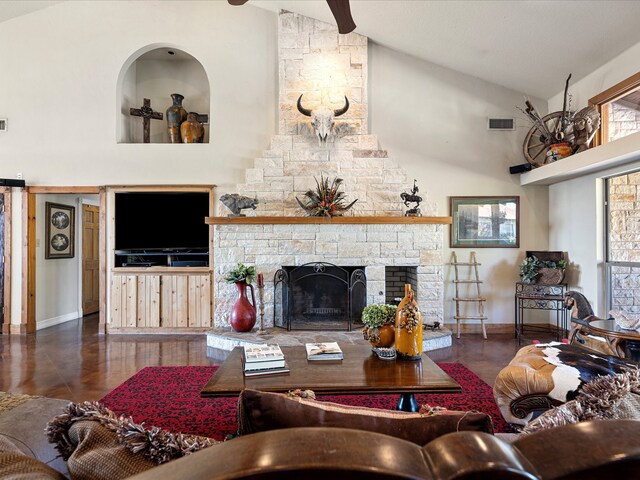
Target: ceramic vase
[[191, 130], [380, 337], [408, 327], [176, 114], [243, 313]]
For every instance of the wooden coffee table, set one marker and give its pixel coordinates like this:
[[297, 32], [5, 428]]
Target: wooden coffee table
[[360, 372]]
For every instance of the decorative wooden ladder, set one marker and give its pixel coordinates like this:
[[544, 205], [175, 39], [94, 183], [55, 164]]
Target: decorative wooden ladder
[[474, 279]]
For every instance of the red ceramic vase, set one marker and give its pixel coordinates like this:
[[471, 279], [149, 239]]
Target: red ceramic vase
[[243, 313]]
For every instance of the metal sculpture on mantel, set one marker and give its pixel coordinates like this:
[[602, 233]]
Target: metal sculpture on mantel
[[236, 203], [412, 197]]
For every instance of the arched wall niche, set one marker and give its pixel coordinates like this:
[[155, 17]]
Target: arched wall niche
[[153, 72]]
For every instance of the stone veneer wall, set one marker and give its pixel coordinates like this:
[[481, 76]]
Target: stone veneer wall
[[623, 121], [269, 247], [324, 66], [624, 239]]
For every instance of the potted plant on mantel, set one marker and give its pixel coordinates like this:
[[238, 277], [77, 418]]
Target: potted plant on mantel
[[549, 272], [243, 313], [379, 324]]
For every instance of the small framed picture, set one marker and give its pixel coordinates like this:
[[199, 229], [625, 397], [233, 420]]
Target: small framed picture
[[60, 224], [485, 222]]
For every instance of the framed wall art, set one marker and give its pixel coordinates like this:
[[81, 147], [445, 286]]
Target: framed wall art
[[485, 222], [60, 223]]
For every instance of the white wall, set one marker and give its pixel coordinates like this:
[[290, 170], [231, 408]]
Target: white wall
[[611, 73], [60, 69], [59, 75], [433, 122], [576, 213]]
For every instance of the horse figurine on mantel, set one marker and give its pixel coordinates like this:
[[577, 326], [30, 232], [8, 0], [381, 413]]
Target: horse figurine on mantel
[[412, 197]]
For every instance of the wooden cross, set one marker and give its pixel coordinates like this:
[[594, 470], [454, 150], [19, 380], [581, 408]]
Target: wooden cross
[[147, 113]]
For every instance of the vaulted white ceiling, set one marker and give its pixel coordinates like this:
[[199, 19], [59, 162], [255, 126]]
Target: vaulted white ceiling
[[526, 45]]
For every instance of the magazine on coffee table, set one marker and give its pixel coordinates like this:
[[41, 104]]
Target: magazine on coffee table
[[323, 351]]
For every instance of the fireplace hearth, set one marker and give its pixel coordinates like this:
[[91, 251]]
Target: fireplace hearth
[[319, 296]]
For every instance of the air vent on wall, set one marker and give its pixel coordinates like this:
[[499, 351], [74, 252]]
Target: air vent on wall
[[501, 124], [3, 124]]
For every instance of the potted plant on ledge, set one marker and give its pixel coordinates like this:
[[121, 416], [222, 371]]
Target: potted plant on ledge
[[379, 324], [243, 313]]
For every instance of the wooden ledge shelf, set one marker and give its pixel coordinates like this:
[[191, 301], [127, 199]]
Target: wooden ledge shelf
[[373, 220]]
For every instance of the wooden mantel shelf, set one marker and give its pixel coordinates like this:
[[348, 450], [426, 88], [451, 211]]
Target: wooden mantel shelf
[[372, 220]]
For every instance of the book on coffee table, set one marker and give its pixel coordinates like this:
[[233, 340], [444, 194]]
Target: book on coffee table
[[262, 357], [267, 371], [323, 351]]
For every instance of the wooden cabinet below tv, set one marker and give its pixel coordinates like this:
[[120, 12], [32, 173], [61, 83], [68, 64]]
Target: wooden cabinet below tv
[[160, 303]]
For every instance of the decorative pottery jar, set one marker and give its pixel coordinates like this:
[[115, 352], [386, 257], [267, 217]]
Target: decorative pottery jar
[[243, 313], [408, 327], [191, 130], [176, 114], [559, 150], [380, 337]]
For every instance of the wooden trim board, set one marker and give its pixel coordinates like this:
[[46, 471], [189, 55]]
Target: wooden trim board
[[102, 314], [28, 320], [372, 220], [6, 326]]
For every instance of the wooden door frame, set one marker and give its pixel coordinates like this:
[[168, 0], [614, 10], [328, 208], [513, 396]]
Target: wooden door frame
[[6, 324], [81, 220], [28, 318], [602, 100]]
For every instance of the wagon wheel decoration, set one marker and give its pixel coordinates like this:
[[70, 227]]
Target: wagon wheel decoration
[[538, 141]]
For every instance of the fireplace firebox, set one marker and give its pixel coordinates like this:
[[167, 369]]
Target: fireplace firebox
[[319, 296]]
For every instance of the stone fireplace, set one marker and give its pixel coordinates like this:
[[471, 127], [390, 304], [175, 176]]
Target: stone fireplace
[[324, 66]]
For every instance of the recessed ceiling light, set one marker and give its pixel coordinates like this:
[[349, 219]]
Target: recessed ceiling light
[[171, 52]]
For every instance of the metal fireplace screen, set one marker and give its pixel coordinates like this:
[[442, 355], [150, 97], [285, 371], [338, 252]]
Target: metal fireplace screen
[[319, 296]]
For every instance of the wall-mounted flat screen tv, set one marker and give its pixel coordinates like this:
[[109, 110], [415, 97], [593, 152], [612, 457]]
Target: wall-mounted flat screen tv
[[161, 221]]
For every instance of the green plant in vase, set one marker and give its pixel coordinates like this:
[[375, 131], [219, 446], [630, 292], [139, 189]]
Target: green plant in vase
[[241, 273], [379, 324]]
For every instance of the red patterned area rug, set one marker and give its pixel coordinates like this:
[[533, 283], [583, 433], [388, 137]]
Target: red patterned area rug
[[169, 397]]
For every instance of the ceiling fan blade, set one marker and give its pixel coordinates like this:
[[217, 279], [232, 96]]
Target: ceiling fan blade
[[237, 2], [342, 13]]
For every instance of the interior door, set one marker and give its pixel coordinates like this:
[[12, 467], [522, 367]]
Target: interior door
[[90, 259], [1, 260]]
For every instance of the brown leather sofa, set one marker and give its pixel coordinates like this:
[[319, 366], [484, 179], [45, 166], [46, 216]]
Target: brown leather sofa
[[611, 450]]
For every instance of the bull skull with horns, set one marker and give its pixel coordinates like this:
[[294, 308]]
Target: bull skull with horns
[[323, 118]]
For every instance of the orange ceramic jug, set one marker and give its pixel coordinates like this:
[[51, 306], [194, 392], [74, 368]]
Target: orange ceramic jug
[[408, 327]]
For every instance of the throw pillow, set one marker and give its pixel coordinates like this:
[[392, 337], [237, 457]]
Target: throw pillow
[[262, 411], [98, 444], [606, 397]]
